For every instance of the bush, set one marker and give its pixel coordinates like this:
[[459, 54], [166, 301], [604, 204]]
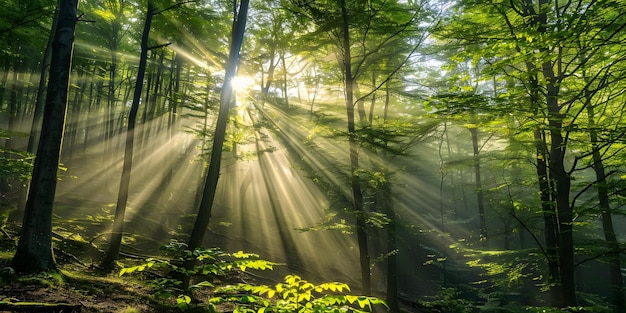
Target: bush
[[293, 295]]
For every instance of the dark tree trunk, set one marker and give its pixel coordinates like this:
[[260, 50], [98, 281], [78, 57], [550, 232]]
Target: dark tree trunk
[[615, 266], [562, 182], [392, 249], [357, 193], [122, 197], [4, 80], [210, 184], [270, 73], [41, 89], [548, 210], [34, 251], [285, 85], [373, 101], [479, 189]]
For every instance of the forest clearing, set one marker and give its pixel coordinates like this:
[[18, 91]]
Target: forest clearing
[[312, 156]]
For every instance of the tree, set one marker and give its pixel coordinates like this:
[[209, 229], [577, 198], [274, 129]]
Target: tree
[[359, 32], [34, 251], [122, 198], [210, 184], [546, 46]]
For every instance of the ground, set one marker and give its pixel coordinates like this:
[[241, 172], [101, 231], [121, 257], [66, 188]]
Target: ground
[[86, 288], [77, 282]]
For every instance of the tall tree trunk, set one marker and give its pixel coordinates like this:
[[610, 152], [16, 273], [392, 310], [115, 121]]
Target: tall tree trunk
[[479, 189], [373, 101], [392, 241], [615, 266], [122, 197], [556, 167], [357, 193], [34, 251], [41, 89], [392, 250], [562, 182], [270, 74], [74, 118], [4, 80], [360, 104], [285, 85], [442, 205], [210, 184]]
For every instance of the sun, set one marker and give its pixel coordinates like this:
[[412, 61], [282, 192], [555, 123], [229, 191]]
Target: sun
[[242, 83]]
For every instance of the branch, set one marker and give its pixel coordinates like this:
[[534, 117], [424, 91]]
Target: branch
[[543, 251], [391, 74], [23, 22], [175, 5], [159, 46], [80, 19], [599, 256], [580, 193]]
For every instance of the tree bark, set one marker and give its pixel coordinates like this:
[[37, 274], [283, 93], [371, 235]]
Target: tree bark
[[562, 183], [357, 193], [122, 197], [392, 250], [41, 89], [210, 184], [34, 251], [615, 266], [479, 189]]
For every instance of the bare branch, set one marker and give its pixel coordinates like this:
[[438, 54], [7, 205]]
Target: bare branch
[[159, 46], [175, 5], [543, 251]]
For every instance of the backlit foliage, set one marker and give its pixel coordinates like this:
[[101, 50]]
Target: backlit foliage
[[294, 294]]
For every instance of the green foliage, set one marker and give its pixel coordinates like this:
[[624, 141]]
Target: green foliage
[[208, 263], [506, 269], [448, 301], [15, 163], [294, 295]]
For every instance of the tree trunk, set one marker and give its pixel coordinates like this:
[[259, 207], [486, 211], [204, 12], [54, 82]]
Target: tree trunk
[[373, 101], [4, 79], [615, 266], [285, 86], [34, 251], [479, 189], [210, 184], [122, 197], [562, 183], [270, 74], [41, 89], [357, 194], [392, 249]]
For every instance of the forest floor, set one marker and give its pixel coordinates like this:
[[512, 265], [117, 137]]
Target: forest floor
[[88, 291], [80, 286], [77, 288]]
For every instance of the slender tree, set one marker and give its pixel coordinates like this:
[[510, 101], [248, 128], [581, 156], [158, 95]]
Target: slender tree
[[122, 197], [210, 184]]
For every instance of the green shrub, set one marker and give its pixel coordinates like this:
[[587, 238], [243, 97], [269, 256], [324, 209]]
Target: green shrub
[[208, 263], [293, 295], [448, 301]]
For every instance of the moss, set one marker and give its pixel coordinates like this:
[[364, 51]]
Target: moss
[[44, 279]]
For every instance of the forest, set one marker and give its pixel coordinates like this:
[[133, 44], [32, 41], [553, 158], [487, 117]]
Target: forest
[[312, 156]]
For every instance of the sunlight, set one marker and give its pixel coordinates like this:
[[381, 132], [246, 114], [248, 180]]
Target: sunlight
[[243, 83]]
